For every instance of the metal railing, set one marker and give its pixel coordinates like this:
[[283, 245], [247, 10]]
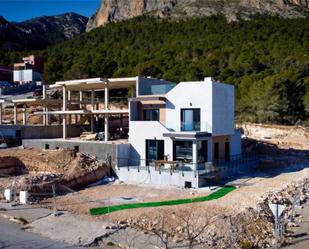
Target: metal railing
[[233, 163]]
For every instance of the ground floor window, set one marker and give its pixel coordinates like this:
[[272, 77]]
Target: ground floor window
[[183, 151], [202, 151], [154, 150]]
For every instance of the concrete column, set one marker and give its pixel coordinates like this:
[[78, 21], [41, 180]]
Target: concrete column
[[64, 107], [106, 119], [0, 114], [209, 149], [92, 108], [15, 114], [132, 91], [25, 115], [194, 154], [69, 96], [80, 99], [45, 116]]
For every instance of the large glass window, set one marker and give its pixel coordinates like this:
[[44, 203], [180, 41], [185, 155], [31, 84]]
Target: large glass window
[[183, 151], [190, 119], [151, 115]]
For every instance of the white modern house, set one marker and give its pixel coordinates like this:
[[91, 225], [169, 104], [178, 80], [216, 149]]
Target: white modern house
[[183, 128]]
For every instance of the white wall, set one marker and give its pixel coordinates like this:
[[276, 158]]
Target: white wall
[[223, 109], [27, 75], [216, 102], [154, 177], [190, 95], [140, 131]]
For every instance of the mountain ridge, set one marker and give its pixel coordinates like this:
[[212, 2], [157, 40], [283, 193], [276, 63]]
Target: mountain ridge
[[40, 32], [233, 10]]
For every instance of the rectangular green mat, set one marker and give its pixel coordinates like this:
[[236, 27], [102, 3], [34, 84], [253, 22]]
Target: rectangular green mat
[[213, 196]]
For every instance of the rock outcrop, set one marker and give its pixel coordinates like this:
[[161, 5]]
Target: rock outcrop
[[116, 10]]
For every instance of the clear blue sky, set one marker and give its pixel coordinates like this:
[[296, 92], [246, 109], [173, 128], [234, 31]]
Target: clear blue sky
[[20, 10]]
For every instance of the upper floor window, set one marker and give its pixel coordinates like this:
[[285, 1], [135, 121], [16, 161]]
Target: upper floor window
[[190, 119], [151, 114]]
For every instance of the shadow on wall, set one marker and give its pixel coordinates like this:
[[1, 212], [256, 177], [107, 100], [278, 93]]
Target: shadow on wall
[[12, 166]]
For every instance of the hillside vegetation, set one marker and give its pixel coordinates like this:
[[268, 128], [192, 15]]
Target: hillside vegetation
[[267, 59]]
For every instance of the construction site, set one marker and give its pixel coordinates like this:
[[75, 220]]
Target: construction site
[[70, 151]]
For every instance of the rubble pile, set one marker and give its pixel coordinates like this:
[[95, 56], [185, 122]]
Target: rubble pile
[[81, 172], [41, 182]]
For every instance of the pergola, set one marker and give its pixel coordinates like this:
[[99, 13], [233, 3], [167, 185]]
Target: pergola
[[92, 85]]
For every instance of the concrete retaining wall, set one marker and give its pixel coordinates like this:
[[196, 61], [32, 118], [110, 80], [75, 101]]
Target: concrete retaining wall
[[97, 149], [49, 131], [149, 175]]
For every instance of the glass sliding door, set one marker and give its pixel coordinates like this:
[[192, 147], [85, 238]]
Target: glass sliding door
[[154, 150], [190, 119], [183, 151]]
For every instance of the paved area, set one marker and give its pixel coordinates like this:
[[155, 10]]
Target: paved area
[[72, 229], [26, 212], [12, 237]]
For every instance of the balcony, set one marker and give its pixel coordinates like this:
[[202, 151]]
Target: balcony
[[190, 126], [190, 130]]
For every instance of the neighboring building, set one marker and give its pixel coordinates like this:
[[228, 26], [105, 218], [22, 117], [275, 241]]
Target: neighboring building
[[26, 76], [33, 62], [29, 70]]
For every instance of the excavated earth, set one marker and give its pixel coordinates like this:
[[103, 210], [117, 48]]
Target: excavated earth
[[37, 170]]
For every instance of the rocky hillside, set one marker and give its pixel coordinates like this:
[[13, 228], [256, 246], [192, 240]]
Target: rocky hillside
[[115, 10], [38, 33]]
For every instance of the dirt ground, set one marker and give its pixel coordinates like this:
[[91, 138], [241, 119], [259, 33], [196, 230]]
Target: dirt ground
[[283, 144], [41, 161], [284, 137], [250, 192]]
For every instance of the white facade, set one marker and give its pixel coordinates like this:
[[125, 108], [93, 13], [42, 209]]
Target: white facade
[[215, 104], [26, 76]]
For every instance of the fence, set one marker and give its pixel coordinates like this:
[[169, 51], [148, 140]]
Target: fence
[[233, 165]]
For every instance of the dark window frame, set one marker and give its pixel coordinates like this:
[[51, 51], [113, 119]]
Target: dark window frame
[[151, 109], [195, 110], [174, 150]]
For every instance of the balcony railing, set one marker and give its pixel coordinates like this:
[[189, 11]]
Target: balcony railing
[[190, 126], [235, 163]]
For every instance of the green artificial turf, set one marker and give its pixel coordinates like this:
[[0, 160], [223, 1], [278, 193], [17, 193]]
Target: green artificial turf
[[213, 196]]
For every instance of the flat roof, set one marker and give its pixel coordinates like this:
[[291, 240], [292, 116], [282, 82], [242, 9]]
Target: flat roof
[[96, 83], [85, 112]]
